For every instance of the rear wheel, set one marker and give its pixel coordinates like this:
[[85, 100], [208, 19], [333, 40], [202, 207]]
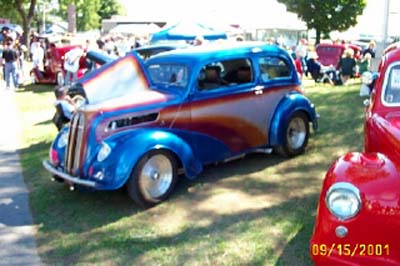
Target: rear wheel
[[296, 135], [153, 178]]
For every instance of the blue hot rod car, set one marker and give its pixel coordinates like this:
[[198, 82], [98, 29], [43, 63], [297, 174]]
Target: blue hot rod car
[[180, 110]]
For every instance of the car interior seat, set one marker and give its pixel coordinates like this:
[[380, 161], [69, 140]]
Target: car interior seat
[[244, 74], [211, 79]]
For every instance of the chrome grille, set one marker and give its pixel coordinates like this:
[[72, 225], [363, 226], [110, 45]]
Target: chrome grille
[[74, 154]]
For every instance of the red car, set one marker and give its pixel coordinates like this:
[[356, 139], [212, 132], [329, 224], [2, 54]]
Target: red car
[[54, 71], [358, 217], [330, 54]]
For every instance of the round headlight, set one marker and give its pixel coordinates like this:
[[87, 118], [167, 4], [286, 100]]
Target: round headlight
[[62, 140], [343, 200], [367, 78], [104, 151]]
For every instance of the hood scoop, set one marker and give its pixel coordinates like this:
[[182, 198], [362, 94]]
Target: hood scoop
[[131, 121]]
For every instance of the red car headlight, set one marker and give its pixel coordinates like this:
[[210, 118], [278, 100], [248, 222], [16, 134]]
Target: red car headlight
[[343, 200]]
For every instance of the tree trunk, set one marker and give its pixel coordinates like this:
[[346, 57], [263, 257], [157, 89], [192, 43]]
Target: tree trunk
[[317, 36], [26, 18]]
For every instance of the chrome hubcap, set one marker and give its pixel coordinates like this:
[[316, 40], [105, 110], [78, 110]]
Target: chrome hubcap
[[156, 176], [296, 133]]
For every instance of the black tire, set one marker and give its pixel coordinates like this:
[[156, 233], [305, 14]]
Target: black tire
[[146, 185], [297, 131]]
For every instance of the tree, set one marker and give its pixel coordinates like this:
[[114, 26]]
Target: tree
[[90, 12], [109, 8], [26, 15], [9, 11], [326, 15]]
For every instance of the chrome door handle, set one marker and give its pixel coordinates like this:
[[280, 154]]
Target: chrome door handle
[[258, 90]]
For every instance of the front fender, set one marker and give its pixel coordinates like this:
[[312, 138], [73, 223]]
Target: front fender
[[287, 106], [129, 147], [372, 173], [378, 221]]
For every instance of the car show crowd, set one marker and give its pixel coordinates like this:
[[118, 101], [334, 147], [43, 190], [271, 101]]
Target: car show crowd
[[352, 63]]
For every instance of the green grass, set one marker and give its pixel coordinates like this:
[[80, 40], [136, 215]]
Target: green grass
[[259, 210]]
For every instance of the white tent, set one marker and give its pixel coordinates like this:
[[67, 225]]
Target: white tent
[[136, 29]]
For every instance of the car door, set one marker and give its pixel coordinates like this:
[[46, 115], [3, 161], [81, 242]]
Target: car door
[[277, 78], [225, 117]]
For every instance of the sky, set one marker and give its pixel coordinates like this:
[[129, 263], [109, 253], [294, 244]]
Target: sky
[[249, 12]]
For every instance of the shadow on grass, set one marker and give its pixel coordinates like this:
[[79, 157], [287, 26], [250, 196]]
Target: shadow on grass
[[36, 88], [87, 210], [296, 251], [46, 122], [199, 240]]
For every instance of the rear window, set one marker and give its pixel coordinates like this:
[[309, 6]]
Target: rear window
[[273, 67]]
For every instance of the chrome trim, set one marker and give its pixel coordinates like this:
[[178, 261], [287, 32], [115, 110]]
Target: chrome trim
[[76, 180], [78, 144], [74, 148]]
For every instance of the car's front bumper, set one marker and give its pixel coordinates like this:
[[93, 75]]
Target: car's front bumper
[[67, 177]]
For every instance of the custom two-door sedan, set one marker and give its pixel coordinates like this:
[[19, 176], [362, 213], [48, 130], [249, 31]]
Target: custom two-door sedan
[[358, 216], [143, 123]]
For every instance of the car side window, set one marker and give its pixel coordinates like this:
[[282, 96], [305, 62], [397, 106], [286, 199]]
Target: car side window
[[225, 74], [273, 67], [392, 88]]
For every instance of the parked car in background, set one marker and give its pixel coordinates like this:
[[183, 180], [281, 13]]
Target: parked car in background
[[358, 216], [54, 71], [330, 54], [145, 122]]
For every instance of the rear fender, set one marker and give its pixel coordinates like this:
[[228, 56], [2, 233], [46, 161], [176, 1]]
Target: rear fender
[[290, 104]]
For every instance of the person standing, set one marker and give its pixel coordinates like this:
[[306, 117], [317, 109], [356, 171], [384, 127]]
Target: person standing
[[10, 63], [371, 49], [71, 65]]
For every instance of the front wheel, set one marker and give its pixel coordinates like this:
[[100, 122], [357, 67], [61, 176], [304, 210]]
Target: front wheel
[[296, 135], [153, 178], [78, 100]]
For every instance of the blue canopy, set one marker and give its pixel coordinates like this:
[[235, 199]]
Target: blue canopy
[[188, 32]]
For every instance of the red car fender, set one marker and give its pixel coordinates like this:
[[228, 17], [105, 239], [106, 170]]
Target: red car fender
[[377, 224]]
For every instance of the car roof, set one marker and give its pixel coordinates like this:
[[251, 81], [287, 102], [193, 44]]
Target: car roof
[[161, 46], [392, 55], [217, 50]]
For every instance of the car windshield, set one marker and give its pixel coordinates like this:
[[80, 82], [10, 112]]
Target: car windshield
[[391, 95], [168, 75]]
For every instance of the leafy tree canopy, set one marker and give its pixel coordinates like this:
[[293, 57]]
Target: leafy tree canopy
[[90, 12], [326, 15]]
